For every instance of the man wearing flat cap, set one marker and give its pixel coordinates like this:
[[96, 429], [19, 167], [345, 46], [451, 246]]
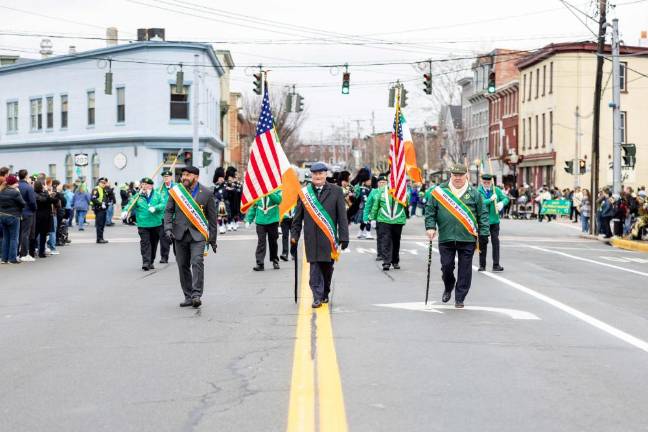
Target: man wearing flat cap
[[457, 211], [495, 201], [322, 212], [149, 211], [99, 201], [190, 221], [165, 243]]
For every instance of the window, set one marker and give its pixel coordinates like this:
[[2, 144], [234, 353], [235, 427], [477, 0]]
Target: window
[[623, 73], [36, 111], [551, 128], [523, 134], [179, 104], [537, 92], [530, 84], [91, 108], [95, 168], [544, 130], [50, 113], [64, 112], [536, 132], [523, 87], [530, 142], [12, 116], [52, 170], [624, 125], [69, 168], [121, 105], [550, 77], [544, 79]]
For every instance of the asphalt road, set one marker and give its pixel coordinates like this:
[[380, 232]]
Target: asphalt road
[[558, 341]]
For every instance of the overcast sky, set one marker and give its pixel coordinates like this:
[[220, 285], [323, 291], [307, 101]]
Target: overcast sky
[[326, 32]]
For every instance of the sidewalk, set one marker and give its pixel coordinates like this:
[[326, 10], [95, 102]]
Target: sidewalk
[[618, 242]]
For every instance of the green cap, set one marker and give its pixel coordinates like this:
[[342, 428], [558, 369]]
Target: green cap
[[487, 176], [458, 169], [147, 180], [166, 173]]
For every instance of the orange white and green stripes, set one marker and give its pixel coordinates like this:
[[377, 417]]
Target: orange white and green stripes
[[321, 218], [190, 208], [456, 208]]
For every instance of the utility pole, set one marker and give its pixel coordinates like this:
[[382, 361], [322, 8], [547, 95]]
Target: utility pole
[[373, 140], [196, 158], [596, 121], [426, 167], [616, 109], [577, 149]]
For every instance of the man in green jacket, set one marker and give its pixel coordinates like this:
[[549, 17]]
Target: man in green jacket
[[390, 216], [457, 210], [149, 214], [495, 201], [382, 181], [165, 242], [265, 213]]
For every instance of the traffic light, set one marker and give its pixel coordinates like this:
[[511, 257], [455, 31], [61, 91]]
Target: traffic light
[[258, 83], [289, 102], [427, 83], [207, 159], [346, 78], [491, 82], [629, 155], [392, 97], [403, 101], [188, 158], [299, 104], [569, 167], [582, 166]]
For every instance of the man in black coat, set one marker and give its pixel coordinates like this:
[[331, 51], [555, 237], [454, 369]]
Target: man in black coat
[[188, 241], [317, 244]]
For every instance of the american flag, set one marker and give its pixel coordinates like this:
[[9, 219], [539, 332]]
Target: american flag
[[397, 176], [264, 170]]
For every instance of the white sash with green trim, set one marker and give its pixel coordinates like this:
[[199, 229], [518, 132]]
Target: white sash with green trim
[[321, 217], [456, 208], [190, 208]]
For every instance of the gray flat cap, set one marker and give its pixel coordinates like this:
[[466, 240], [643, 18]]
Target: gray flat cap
[[318, 167]]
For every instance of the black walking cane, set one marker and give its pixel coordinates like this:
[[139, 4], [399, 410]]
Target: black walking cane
[[427, 288], [294, 248]]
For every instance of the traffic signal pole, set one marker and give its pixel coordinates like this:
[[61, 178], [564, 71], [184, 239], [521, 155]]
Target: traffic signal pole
[[616, 109], [195, 121], [577, 173]]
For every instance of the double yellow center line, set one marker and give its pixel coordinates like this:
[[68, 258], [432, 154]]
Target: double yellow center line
[[316, 400]]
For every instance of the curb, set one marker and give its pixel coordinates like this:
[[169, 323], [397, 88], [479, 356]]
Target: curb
[[597, 238], [630, 245]]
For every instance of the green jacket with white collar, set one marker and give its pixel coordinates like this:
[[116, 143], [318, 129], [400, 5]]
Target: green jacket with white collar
[[266, 210], [386, 209]]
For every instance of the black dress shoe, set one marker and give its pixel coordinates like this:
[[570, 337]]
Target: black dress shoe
[[196, 302], [316, 304], [498, 268], [446, 296], [396, 266], [186, 303], [481, 268], [284, 257], [164, 261], [459, 305], [151, 267], [145, 268], [325, 300], [102, 241], [386, 267], [379, 259], [258, 267], [275, 265]]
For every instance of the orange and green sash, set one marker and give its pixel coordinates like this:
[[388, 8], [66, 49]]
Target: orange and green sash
[[456, 208], [321, 217], [190, 208]]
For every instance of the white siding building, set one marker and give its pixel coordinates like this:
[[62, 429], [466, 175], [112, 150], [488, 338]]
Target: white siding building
[[55, 108]]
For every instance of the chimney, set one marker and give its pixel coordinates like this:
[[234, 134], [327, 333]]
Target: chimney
[[46, 48], [643, 40], [152, 34], [72, 49], [111, 36]]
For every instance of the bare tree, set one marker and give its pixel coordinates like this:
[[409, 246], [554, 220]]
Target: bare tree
[[288, 124]]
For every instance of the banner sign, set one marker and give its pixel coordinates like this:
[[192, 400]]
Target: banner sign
[[556, 207]]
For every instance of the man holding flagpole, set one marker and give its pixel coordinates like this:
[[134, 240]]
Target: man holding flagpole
[[321, 210], [190, 221]]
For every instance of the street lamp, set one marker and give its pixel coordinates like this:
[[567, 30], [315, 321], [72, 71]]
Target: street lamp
[[513, 160]]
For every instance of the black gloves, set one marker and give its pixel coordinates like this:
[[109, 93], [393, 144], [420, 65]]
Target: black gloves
[[293, 247], [344, 244], [213, 246]]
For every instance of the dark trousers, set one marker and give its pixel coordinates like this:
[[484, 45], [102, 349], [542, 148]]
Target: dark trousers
[[149, 239], [10, 226], [464, 252], [605, 226], [165, 245], [285, 235], [42, 242], [270, 231], [389, 238], [321, 274], [483, 246], [26, 229], [189, 256], [100, 222]]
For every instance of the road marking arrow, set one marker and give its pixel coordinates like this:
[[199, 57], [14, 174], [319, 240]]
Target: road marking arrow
[[431, 307]]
